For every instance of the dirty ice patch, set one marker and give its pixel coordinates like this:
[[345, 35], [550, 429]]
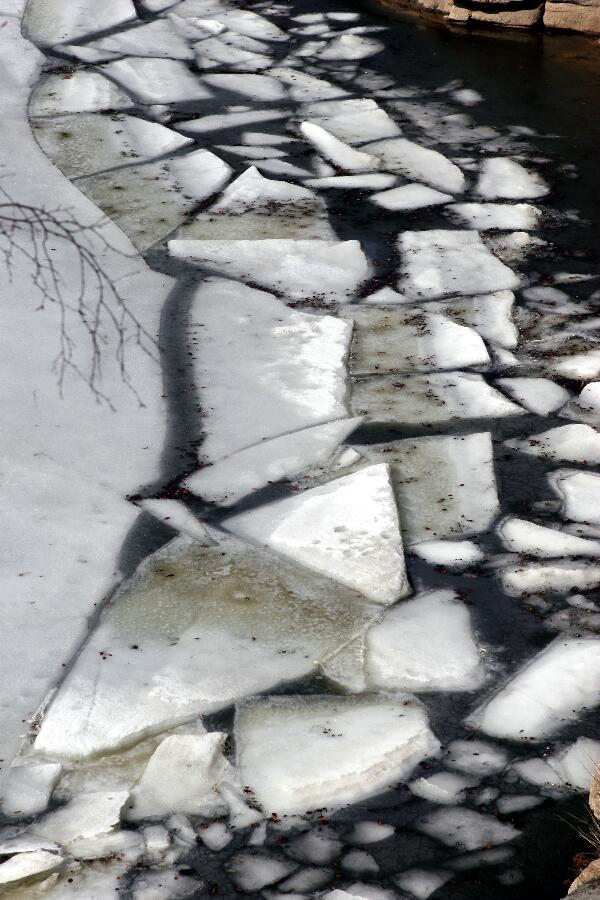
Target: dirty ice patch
[[301, 270], [441, 263], [567, 443], [301, 753], [409, 197], [501, 216], [506, 179], [586, 406], [489, 314], [425, 644], [48, 22], [466, 829], [229, 479], [346, 529], [404, 157], [520, 536], [159, 658], [550, 691], [539, 395]]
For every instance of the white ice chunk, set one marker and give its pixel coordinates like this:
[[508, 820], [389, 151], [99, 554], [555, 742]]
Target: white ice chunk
[[386, 296], [231, 478], [176, 515], [306, 88], [551, 690], [244, 21], [163, 885], [409, 197], [358, 862], [337, 152], [419, 163], [502, 216], [317, 847], [560, 576], [241, 814], [215, 836], [476, 757], [181, 777], [307, 880], [87, 815], [489, 314], [466, 829], [153, 39], [538, 395], [27, 789], [265, 370], [231, 119], [299, 269], [504, 178], [580, 494], [151, 81], [422, 883], [439, 263], [84, 91], [258, 87], [512, 803], [201, 174], [425, 644], [29, 867], [578, 366], [48, 22], [346, 529], [219, 52], [368, 182], [368, 832], [252, 871], [567, 443], [467, 96], [572, 766], [350, 46], [352, 121], [300, 753], [521, 536], [450, 554], [443, 788], [586, 406]]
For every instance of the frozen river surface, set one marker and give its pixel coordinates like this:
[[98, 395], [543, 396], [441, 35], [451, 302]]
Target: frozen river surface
[[308, 456]]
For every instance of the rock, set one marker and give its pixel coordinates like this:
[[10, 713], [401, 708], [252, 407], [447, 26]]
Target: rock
[[572, 17]]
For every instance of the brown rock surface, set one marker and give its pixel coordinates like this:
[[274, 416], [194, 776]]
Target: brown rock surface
[[573, 17]]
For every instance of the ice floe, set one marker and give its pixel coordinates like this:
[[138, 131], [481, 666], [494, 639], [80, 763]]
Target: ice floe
[[36, 865], [572, 766], [370, 181], [417, 162], [233, 118], [302, 270], [222, 52], [84, 91], [337, 152], [200, 174], [305, 88], [48, 22], [422, 883], [215, 836], [409, 197], [501, 216], [158, 658], [475, 757], [27, 788], [244, 21], [550, 691], [350, 46], [317, 847], [504, 178], [158, 39], [370, 832], [300, 753], [352, 121], [346, 529], [449, 554], [151, 81], [229, 479], [441, 263], [443, 788], [531, 539], [513, 803], [425, 644], [466, 829], [555, 577], [252, 871], [87, 815], [586, 406], [567, 443], [539, 395]]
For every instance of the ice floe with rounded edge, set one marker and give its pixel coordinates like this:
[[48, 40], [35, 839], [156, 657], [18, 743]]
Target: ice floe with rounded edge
[[352, 121], [539, 395], [48, 22], [555, 577], [307, 880], [566, 443], [582, 366], [301, 753], [422, 883], [318, 847], [29, 867], [466, 829], [181, 777], [467, 96], [409, 197], [413, 340], [265, 370], [441, 263], [449, 554], [489, 314], [586, 406], [505, 178], [370, 832], [572, 766], [404, 157], [158, 658], [158, 39], [552, 690], [253, 870], [501, 216], [27, 788], [215, 836], [337, 152], [514, 803], [84, 91], [366, 182], [425, 644], [531, 539], [301, 270], [428, 398], [164, 884], [443, 788], [346, 529], [232, 477], [151, 81], [475, 757]]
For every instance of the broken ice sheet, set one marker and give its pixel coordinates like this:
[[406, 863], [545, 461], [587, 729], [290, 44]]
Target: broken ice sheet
[[229, 479], [346, 529], [301, 270], [504, 178], [253, 870], [466, 829], [567, 443], [441, 263], [426, 399], [48, 22], [28, 868], [475, 757], [550, 691], [531, 539], [196, 628], [572, 766], [301, 753], [151, 81], [152, 39], [425, 644], [224, 52], [264, 370], [538, 395], [352, 121], [305, 88], [404, 157], [414, 340], [501, 216]]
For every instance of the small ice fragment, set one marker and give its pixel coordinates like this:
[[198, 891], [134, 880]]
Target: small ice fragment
[[476, 757], [466, 829], [305, 881], [33, 866], [404, 157], [550, 691], [27, 789], [452, 554], [386, 296], [341, 155], [215, 836], [368, 832], [567, 443], [353, 121], [467, 97], [374, 181], [252, 871], [357, 862], [512, 803], [241, 814], [541, 577], [539, 395], [157, 842], [200, 174], [425, 644], [163, 885], [586, 406], [227, 120], [501, 216], [503, 177], [444, 788], [530, 539], [317, 847], [304, 88], [579, 493], [176, 515], [422, 883], [346, 529], [252, 24], [217, 53], [409, 197], [350, 46]]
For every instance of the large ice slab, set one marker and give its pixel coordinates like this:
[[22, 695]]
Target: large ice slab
[[425, 644], [346, 529], [264, 370], [301, 753], [48, 22], [301, 270], [85, 816], [195, 629], [151, 81], [504, 178], [429, 398], [419, 163], [530, 539], [567, 443], [28, 868], [441, 263], [550, 691], [466, 829], [579, 493], [415, 340], [233, 477]]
